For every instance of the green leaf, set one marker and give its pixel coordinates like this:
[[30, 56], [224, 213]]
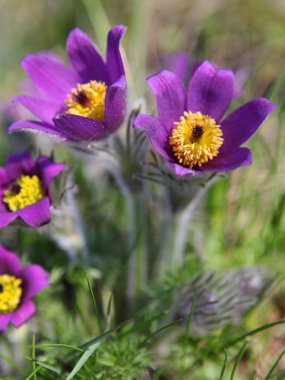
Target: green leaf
[[83, 359], [253, 332]]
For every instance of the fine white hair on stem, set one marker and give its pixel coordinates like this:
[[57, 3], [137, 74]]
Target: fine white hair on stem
[[68, 228], [185, 219]]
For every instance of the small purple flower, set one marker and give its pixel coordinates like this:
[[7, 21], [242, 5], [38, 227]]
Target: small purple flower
[[184, 66], [18, 285], [24, 189], [189, 131], [81, 103]]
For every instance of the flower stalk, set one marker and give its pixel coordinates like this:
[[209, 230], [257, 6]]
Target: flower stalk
[[185, 218]]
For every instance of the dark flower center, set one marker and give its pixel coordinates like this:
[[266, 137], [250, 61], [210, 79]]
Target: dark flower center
[[15, 188], [197, 131], [1, 288], [82, 98]]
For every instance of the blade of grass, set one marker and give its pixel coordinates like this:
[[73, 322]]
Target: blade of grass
[[162, 329], [99, 322], [44, 365], [108, 314], [274, 365], [49, 367], [238, 359], [34, 356], [224, 366], [33, 373], [190, 316], [85, 346], [83, 359], [59, 345], [253, 332]]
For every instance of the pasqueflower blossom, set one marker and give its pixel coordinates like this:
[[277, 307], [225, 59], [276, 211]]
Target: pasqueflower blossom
[[184, 66], [18, 285], [24, 189], [189, 131], [81, 103]]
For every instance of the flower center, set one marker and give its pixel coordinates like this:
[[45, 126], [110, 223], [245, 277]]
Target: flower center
[[24, 192], [10, 293], [88, 100], [196, 139]]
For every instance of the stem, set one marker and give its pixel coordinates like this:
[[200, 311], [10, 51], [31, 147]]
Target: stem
[[185, 218], [167, 232], [68, 227], [79, 226], [133, 277]]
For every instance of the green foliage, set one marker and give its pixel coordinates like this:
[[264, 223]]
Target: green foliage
[[118, 358]]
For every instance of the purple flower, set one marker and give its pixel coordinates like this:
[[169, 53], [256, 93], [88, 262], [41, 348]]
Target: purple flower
[[189, 131], [24, 189], [18, 285], [184, 66], [81, 103]]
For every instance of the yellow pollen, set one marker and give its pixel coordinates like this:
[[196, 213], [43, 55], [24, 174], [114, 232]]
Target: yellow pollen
[[87, 100], [24, 192], [10, 293], [196, 139]]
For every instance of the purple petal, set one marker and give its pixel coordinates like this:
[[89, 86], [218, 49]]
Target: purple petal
[[19, 164], [52, 78], [4, 320], [181, 171], [156, 133], [9, 262], [34, 279], [48, 169], [80, 128], [6, 217], [37, 214], [210, 91], [4, 179], [241, 124], [38, 128], [44, 109], [85, 58], [23, 313], [170, 97], [114, 60], [229, 160], [116, 104]]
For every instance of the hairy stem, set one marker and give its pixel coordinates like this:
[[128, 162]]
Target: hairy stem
[[185, 219]]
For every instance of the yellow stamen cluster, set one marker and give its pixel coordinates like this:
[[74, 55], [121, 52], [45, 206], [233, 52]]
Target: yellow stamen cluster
[[88, 100], [24, 192], [196, 139], [10, 293]]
